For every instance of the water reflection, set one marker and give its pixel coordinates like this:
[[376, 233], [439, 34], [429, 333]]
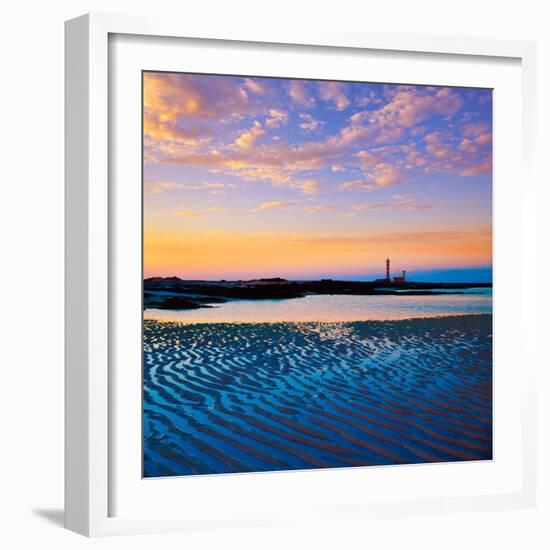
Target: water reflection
[[333, 308]]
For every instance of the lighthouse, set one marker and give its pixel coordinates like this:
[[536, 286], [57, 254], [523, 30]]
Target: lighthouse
[[388, 280]]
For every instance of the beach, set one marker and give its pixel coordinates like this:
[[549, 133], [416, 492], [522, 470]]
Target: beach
[[317, 274], [262, 396]]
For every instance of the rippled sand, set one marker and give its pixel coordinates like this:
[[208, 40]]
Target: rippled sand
[[231, 397]]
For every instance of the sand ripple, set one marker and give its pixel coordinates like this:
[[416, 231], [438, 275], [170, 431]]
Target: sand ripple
[[232, 397]]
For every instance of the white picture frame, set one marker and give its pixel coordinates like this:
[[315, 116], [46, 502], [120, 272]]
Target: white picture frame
[[91, 216]]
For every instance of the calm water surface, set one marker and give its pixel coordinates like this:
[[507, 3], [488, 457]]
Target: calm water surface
[[334, 308]]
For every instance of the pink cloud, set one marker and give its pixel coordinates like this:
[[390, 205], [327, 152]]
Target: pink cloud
[[385, 174], [169, 96], [274, 205], [437, 147], [276, 118], [158, 186], [380, 175], [403, 202], [375, 141], [358, 184], [474, 129], [411, 105], [300, 94], [308, 187], [367, 159], [336, 93], [481, 168], [308, 122], [255, 86], [320, 208], [248, 138]]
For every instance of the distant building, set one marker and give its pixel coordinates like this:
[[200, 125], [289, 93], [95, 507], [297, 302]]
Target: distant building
[[400, 280]]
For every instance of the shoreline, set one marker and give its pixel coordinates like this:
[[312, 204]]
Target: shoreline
[[317, 322], [177, 294]]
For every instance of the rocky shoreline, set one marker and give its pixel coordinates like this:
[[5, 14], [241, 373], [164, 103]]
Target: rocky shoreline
[[174, 293]]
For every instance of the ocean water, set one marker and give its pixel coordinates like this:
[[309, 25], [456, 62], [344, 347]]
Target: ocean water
[[223, 397], [334, 308]]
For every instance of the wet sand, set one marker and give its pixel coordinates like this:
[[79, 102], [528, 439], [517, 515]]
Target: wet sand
[[241, 397]]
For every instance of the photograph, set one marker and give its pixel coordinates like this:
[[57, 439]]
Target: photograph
[[317, 264]]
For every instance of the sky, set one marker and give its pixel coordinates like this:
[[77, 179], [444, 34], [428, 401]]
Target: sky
[[248, 177]]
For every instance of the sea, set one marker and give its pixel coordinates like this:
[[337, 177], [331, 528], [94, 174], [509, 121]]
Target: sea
[[326, 308]]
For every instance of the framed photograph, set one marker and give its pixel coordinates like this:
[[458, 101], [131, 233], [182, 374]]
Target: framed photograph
[[298, 282]]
